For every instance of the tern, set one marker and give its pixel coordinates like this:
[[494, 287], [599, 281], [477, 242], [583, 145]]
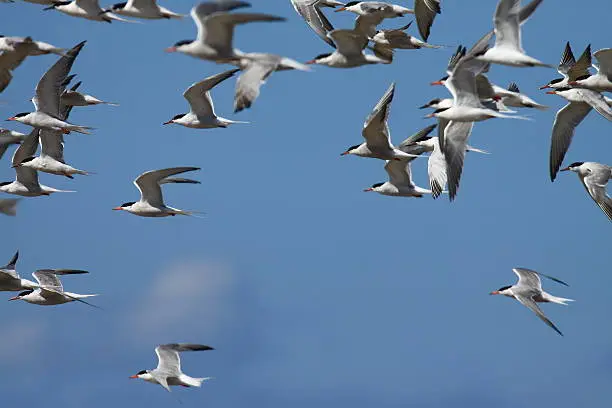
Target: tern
[[528, 291], [26, 181], [350, 45], [70, 97], [594, 178], [216, 30], [385, 41], [377, 135], [88, 9], [400, 182], [581, 102], [256, 68], [50, 291], [514, 98], [9, 137], [147, 9], [570, 68], [9, 61], [310, 10], [151, 203], [168, 372], [10, 280], [508, 49], [27, 44], [602, 80], [47, 99], [202, 111], [8, 206]]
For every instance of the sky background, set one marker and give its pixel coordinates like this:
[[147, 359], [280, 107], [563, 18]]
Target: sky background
[[312, 292]]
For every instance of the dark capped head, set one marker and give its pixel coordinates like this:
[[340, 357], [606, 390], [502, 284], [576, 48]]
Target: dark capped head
[[321, 56], [556, 81], [504, 288], [433, 102], [29, 159], [581, 77], [576, 164], [352, 3], [440, 110], [183, 42], [124, 205], [377, 185], [25, 292], [142, 372], [347, 151], [5, 183], [21, 115], [118, 6]]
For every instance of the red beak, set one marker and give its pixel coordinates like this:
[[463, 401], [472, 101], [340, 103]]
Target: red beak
[[339, 10], [14, 298], [12, 118], [565, 169], [494, 293], [117, 209], [133, 376], [497, 98], [431, 115], [170, 49], [572, 83], [344, 154], [168, 122], [310, 62], [368, 189], [437, 83], [551, 92], [545, 86]]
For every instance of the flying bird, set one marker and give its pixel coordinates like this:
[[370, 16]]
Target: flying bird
[[168, 372], [571, 69], [151, 203], [594, 178], [87, 9], [400, 182], [9, 137], [10, 281], [71, 97], [8, 206], [349, 53], [528, 291], [602, 80], [147, 9], [28, 45], [311, 12], [386, 41]]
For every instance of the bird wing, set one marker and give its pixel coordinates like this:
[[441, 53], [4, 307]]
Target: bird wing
[[252, 78], [595, 184], [531, 304], [311, 12], [9, 60], [52, 144], [528, 279], [565, 124], [597, 102], [604, 57], [141, 4], [25, 175], [436, 169], [527, 10], [50, 87], [567, 60], [9, 268], [169, 359], [198, 94], [8, 206], [218, 28], [149, 183], [425, 11], [507, 27], [202, 11], [348, 42], [456, 136], [581, 67], [375, 129], [367, 24], [47, 278], [418, 136], [399, 172]]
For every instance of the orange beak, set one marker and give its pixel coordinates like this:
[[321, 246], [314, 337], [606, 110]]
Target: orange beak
[[344, 154], [565, 169], [437, 83], [551, 92], [170, 49], [168, 122], [117, 209], [12, 118], [431, 115], [14, 298], [339, 10], [368, 189], [310, 62], [495, 292], [545, 86], [572, 83], [133, 376]]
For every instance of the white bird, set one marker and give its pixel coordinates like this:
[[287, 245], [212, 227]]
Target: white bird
[[9, 137], [256, 68], [10, 281], [386, 41], [581, 102], [168, 372], [202, 111], [8, 206], [377, 135], [594, 178], [400, 182], [50, 291], [71, 97], [570, 68], [310, 10], [26, 181], [508, 49], [349, 53], [147, 9], [87, 9], [9, 61], [528, 291], [514, 98], [33, 48], [216, 30], [151, 203], [47, 99], [602, 80]]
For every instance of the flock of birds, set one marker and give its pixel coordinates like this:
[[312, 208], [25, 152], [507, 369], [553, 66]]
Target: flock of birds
[[474, 99]]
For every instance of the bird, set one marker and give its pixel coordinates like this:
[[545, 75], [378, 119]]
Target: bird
[[71, 97], [147, 9], [514, 98], [256, 68], [151, 203], [508, 49], [168, 372], [602, 80], [528, 291], [216, 30], [9, 137], [8, 206], [386, 41], [47, 99], [26, 180], [87, 9], [310, 10], [581, 102], [349, 53], [33, 48], [376, 133], [400, 182], [202, 111], [50, 291], [10, 281], [594, 178], [570, 68], [9, 61]]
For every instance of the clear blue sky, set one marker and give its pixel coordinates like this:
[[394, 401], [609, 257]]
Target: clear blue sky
[[313, 292]]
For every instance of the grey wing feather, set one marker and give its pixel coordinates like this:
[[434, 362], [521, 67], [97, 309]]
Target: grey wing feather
[[567, 60], [312, 14], [581, 67], [8, 206], [456, 135], [375, 129], [597, 102], [47, 278], [565, 124], [179, 180], [417, 136], [527, 10], [595, 185], [52, 144], [531, 304], [436, 169], [26, 175], [209, 7], [249, 83], [425, 11]]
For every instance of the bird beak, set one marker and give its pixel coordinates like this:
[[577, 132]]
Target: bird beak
[[49, 8], [572, 83], [117, 209], [545, 86], [497, 98], [495, 292], [551, 92], [368, 189], [340, 9], [15, 166], [424, 106], [437, 83], [431, 115], [565, 169], [311, 62], [133, 376], [11, 118], [14, 298], [170, 49], [168, 122], [344, 154]]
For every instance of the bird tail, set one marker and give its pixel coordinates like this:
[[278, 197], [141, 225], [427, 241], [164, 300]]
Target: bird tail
[[110, 103], [194, 382], [81, 129], [501, 115], [233, 122], [559, 300]]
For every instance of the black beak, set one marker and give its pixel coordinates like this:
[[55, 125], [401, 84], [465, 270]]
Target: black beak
[[49, 8], [424, 106]]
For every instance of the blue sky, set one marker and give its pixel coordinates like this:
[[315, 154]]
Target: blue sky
[[311, 291]]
